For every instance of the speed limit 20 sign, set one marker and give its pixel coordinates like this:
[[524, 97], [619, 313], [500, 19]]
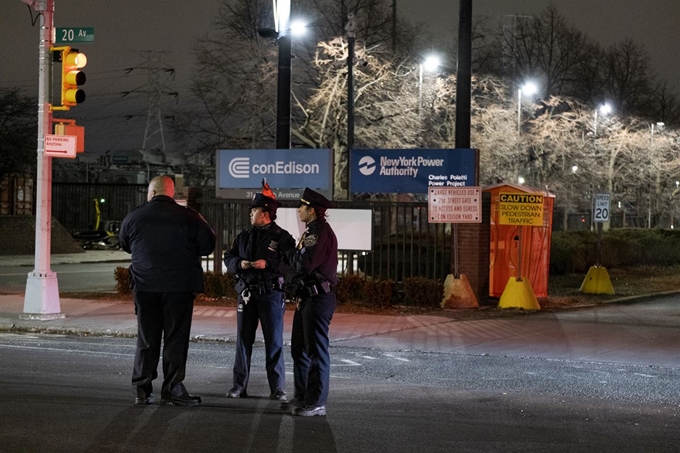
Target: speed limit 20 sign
[[601, 213]]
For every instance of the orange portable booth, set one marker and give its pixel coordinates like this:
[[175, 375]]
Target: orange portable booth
[[505, 240]]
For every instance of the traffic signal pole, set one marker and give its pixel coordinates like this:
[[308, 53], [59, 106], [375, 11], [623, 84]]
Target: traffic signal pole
[[42, 289]]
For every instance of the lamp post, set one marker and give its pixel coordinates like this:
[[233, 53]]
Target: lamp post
[[528, 89], [659, 125], [41, 300], [605, 109], [429, 64]]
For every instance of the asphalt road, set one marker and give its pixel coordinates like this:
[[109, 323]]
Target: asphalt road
[[79, 277], [73, 394]]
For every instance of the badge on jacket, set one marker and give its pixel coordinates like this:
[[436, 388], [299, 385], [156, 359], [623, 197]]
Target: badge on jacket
[[310, 240], [273, 245]]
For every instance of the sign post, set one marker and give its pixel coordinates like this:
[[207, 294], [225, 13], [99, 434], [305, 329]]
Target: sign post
[[41, 300], [456, 205], [520, 210], [597, 280]]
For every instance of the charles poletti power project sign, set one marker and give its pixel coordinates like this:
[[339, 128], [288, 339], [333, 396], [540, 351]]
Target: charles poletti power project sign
[[411, 170], [287, 171]]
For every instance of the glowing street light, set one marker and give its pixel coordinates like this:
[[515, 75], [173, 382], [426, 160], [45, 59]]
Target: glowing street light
[[430, 64], [298, 28], [529, 89], [605, 109]]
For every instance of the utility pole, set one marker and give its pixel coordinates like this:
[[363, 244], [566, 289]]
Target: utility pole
[[282, 19], [41, 300], [464, 75]]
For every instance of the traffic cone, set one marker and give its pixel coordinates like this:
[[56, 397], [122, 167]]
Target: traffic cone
[[518, 294], [597, 282], [458, 293]]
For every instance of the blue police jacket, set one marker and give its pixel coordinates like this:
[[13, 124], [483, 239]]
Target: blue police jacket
[[266, 242]]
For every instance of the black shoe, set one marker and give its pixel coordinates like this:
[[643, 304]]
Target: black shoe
[[237, 392], [178, 396], [279, 395], [145, 395]]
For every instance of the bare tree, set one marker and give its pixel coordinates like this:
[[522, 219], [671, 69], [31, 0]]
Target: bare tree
[[18, 132]]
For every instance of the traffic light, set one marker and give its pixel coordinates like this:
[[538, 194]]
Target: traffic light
[[71, 76]]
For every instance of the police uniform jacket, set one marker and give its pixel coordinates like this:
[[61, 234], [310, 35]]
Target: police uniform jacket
[[167, 241], [255, 243], [318, 255]]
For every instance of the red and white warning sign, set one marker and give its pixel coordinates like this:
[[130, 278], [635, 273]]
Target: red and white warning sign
[[454, 204], [60, 145]]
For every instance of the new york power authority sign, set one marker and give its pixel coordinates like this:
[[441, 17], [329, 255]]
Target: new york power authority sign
[[454, 205], [411, 170], [520, 209]]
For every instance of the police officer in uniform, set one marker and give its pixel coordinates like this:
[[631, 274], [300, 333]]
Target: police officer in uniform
[[166, 241], [315, 262], [256, 259]]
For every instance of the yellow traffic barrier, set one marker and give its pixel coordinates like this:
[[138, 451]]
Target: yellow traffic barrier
[[597, 282], [518, 294], [458, 293]]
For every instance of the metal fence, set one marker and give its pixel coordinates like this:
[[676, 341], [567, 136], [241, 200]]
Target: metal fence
[[73, 204], [404, 243]]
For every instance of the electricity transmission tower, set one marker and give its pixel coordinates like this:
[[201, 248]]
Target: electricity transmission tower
[[154, 137]]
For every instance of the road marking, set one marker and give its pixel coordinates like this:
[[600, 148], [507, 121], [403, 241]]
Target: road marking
[[350, 362], [66, 350], [396, 358], [369, 357]]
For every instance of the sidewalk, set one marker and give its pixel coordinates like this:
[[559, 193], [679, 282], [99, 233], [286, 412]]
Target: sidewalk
[[642, 333]]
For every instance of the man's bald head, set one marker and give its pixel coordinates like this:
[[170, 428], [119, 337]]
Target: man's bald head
[[161, 185]]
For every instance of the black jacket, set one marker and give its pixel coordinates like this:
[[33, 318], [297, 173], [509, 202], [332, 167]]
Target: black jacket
[[166, 241], [318, 255], [268, 243]]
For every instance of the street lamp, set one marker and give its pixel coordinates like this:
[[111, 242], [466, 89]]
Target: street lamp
[[528, 89], [282, 34], [429, 64], [659, 125], [520, 180], [605, 109]]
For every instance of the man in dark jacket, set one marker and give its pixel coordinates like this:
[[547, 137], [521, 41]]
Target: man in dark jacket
[[255, 257], [315, 262], [166, 241]]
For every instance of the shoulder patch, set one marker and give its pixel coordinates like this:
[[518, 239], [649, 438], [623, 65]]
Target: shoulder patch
[[310, 240]]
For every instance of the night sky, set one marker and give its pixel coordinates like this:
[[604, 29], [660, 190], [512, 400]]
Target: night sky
[[124, 29]]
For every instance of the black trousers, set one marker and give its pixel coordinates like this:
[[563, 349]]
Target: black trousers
[[162, 317], [309, 348], [268, 310]]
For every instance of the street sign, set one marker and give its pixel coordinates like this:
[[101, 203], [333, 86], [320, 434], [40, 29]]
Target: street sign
[[60, 145], [69, 35], [520, 209], [601, 213], [454, 205]]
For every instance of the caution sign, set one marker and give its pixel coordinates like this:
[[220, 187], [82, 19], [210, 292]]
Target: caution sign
[[520, 209]]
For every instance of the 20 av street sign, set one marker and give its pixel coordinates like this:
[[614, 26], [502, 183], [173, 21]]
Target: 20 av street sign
[[69, 35]]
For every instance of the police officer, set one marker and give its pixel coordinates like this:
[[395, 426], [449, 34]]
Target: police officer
[[166, 241], [315, 261], [255, 257]]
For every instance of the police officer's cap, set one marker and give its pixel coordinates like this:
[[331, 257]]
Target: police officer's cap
[[265, 202], [315, 200]]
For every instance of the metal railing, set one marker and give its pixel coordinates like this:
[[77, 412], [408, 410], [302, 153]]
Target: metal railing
[[404, 243], [74, 206]]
